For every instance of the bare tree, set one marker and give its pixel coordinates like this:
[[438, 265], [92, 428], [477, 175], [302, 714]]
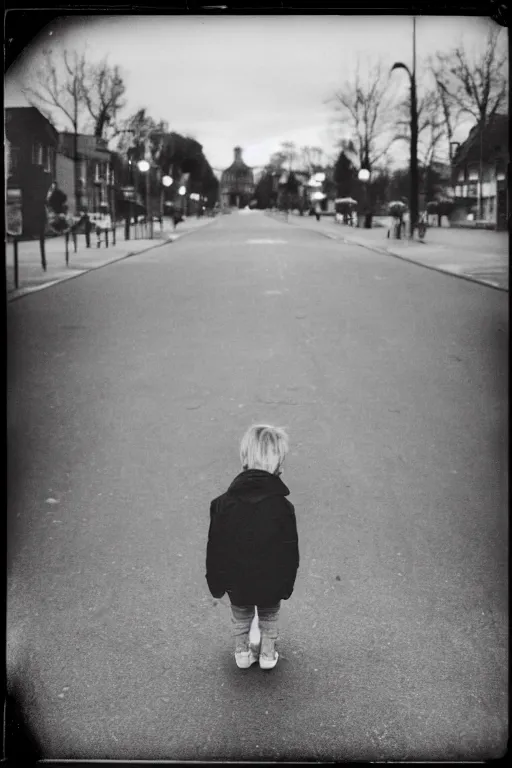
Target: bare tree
[[103, 91], [141, 137], [61, 91], [134, 134], [364, 105], [289, 150], [432, 129], [477, 87], [306, 157], [277, 161]]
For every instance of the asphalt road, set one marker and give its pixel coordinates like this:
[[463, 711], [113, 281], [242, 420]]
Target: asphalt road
[[129, 389]]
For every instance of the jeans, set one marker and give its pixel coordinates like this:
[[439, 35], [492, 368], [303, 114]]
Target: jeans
[[242, 616]]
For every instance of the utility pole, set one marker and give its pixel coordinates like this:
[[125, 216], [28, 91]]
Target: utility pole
[[481, 171], [414, 132], [414, 136], [75, 154]]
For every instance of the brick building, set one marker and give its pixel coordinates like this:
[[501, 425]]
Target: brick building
[[94, 171], [31, 158]]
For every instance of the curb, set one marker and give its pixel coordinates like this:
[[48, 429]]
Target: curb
[[21, 292], [433, 267], [386, 252]]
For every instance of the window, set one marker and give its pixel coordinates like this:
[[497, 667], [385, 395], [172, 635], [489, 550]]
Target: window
[[37, 153], [14, 159], [49, 158]]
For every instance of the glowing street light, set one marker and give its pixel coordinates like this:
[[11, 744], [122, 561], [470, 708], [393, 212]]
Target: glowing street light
[[364, 176], [143, 167], [166, 181], [182, 190]]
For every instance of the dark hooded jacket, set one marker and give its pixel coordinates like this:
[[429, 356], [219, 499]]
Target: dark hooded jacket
[[253, 549]]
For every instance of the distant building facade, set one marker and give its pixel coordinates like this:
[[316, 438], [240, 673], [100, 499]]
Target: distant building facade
[[93, 169], [237, 183], [480, 174]]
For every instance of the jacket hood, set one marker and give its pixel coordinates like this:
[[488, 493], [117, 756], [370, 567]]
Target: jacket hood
[[254, 485]]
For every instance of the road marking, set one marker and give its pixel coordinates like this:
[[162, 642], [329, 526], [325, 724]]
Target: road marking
[[266, 242], [273, 293]]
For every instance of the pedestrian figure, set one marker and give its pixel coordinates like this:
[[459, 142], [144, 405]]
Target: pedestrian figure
[[317, 211], [253, 550]]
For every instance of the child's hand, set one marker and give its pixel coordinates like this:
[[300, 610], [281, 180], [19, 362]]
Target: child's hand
[[222, 601]]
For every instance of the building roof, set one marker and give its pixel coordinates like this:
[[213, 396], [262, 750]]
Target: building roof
[[24, 119], [238, 164], [88, 145], [494, 142]]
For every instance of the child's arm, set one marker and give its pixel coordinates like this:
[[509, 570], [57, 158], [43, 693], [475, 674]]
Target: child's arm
[[215, 558], [291, 557]]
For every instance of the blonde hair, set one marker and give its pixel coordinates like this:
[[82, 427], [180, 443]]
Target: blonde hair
[[264, 447]]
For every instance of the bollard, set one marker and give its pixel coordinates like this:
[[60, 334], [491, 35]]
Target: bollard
[[66, 240], [87, 227], [113, 235], [16, 271], [75, 241], [43, 253], [106, 238]]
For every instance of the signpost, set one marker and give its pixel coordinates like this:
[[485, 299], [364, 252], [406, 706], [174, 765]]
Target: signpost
[[128, 194], [14, 224], [14, 213]]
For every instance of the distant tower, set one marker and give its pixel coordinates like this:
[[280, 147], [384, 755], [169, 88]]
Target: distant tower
[[237, 183]]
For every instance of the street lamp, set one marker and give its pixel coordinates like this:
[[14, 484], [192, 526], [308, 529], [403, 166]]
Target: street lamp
[[182, 191], [364, 177], [414, 129], [166, 182], [143, 167]]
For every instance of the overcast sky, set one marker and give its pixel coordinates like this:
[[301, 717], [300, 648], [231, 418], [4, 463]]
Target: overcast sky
[[253, 81]]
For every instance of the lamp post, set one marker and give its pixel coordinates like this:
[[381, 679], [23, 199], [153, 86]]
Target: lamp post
[[143, 167], [414, 130], [166, 183], [364, 177], [182, 191]]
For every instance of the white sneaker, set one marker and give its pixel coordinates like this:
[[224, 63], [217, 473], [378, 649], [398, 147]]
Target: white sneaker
[[245, 659], [268, 654]]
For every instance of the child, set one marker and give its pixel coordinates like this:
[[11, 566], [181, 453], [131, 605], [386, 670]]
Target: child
[[253, 549]]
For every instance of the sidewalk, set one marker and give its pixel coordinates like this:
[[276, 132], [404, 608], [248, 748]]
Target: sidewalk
[[477, 255], [32, 277]]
